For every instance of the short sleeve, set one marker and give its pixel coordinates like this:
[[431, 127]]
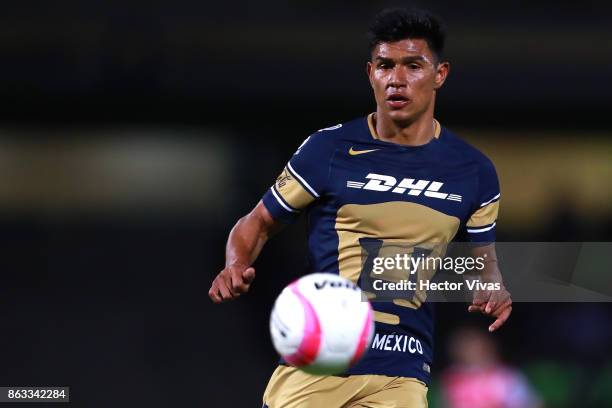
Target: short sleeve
[[302, 181], [481, 225]]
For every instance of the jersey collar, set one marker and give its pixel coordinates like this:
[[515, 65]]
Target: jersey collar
[[437, 127]]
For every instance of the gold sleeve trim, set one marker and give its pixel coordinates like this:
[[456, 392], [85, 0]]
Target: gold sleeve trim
[[292, 192], [485, 215]]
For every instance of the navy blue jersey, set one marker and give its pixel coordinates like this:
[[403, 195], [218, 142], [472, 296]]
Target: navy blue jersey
[[357, 188]]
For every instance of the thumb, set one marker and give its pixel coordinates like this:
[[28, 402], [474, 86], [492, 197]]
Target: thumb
[[249, 274]]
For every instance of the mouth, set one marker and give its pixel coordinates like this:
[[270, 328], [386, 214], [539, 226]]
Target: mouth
[[397, 100]]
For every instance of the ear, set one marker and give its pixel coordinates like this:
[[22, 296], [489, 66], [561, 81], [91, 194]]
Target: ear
[[442, 70], [369, 68]]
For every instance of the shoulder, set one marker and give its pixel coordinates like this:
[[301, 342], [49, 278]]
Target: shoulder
[[327, 137], [337, 131], [459, 146], [352, 125], [486, 175]]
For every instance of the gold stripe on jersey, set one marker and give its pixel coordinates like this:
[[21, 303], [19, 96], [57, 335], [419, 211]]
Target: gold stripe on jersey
[[387, 318], [291, 191], [484, 215], [395, 222], [368, 295], [371, 116]]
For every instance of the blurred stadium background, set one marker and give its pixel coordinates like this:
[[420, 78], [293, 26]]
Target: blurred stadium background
[[134, 134]]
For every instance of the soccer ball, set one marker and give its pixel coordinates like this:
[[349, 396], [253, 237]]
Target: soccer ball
[[321, 324]]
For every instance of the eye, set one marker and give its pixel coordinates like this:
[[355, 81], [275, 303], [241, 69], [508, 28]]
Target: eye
[[414, 66]]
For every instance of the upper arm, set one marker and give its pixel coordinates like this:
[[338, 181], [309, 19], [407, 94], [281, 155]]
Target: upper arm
[[267, 224], [303, 180]]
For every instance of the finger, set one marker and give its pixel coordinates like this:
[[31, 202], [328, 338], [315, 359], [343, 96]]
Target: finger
[[499, 306], [227, 281], [474, 308], [213, 294], [248, 275], [238, 285], [501, 319], [225, 292], [490, 306]]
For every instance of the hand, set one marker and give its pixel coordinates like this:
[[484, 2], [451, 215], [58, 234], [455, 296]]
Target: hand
[[231, 282], [496, 303]]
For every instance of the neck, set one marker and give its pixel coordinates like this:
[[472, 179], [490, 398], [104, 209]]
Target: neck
[[418, 132]]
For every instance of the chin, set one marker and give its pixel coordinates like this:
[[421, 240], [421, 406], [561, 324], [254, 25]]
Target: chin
[[401, 116]]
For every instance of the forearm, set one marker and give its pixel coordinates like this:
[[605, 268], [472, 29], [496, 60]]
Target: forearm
[[245, 242], [249, 236]]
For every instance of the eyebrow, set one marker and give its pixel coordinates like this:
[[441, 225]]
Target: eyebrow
[[412, 58]]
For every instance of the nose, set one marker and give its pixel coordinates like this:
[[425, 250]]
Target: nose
[[397, 77]]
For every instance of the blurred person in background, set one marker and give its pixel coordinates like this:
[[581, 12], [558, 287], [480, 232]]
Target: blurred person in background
[[478, 378]]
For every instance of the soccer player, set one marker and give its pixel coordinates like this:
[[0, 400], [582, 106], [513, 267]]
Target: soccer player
[[396, 175]]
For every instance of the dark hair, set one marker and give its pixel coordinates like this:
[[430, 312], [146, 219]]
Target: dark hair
[[391, 25]]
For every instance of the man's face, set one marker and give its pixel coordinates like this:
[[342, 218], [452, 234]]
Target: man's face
[[404, 76]]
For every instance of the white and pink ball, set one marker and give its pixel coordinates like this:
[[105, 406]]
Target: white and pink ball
[[321, 324]]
